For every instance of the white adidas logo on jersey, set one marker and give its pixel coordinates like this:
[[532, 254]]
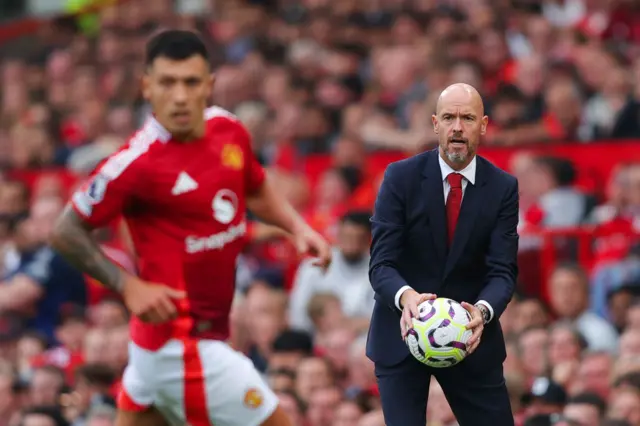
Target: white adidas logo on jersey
[[184, 183]]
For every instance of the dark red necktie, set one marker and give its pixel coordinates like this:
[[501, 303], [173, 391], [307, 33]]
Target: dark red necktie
[[454, 201]]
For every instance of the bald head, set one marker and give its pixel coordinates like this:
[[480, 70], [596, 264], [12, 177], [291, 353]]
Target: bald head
[[460, 94], [459, 122]]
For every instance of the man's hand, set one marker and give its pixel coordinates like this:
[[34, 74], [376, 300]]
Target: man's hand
[[410, 300], [153, 303], [476, 325], [309, 242]]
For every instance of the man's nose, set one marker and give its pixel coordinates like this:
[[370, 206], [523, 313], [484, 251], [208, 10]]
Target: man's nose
[[457, 125], [180, 94]]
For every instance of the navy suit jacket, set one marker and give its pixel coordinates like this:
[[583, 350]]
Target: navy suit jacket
[[409, 247]]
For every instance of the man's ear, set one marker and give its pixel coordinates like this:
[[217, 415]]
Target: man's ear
[[485, 123]]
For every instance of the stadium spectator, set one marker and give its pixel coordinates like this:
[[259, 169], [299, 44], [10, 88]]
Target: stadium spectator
[[625, 405], [109, 314], [594, 374], [569, 299], [43, 416], [46, 385], [545, 397], [41, 281], [529, 312], [561, 204], [9, 404], [91, 391], [101, 415], [346, 277], [268, 320], [585, 408], [532, 351]]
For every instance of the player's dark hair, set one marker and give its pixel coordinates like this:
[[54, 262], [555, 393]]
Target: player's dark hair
[[589, 398], [53, 413], [176, 45]]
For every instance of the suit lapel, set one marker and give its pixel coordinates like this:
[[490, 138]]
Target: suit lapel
[[432, 187], [471, 203]]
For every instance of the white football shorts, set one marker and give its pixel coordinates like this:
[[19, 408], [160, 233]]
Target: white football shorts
[[196, 382]]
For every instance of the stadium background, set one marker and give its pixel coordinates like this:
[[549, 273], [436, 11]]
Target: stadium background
[[332, 91]]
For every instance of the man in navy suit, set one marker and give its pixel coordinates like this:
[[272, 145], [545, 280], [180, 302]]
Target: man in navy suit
[[444, 223]]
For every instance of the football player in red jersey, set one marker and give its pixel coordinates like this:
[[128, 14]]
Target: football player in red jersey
[[183, 184]]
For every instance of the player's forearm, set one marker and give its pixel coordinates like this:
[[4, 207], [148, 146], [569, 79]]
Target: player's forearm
[[75, 243], [271, 207], [262, 231]]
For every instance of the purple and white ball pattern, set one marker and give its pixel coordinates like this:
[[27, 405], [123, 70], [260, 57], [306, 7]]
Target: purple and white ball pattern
[[439, 338]]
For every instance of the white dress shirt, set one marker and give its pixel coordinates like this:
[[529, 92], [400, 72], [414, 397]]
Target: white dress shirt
[[469, 176]]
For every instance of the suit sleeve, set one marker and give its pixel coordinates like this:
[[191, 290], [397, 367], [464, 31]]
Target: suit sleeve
[[502, 256], [388, 234]]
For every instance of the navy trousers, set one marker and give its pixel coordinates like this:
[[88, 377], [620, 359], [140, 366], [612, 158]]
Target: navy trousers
[[477, 398]]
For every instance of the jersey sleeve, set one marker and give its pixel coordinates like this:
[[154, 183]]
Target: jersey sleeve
[[104, 196], [253, 170]]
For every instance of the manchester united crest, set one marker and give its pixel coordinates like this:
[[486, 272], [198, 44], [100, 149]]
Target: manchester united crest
[[253, 398], [232, 157]]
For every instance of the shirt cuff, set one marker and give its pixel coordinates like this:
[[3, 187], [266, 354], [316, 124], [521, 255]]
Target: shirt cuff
[[399, 294], [488, 306]]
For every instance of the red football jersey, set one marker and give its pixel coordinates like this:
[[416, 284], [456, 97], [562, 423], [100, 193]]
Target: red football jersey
[[185, 207]]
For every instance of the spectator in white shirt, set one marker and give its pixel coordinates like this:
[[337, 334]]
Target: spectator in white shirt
[[563, 205], [347, 276], [569, 286]]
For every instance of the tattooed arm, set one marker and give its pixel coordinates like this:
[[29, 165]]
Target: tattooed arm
[[73, 240], [148, 301]]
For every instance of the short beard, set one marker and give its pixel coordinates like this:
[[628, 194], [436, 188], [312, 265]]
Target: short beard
[[456, 157]]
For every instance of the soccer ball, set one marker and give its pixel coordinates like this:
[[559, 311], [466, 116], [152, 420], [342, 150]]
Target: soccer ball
[[439, 337]]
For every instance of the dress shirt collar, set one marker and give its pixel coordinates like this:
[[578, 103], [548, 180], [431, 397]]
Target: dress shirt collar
[[468, 172]]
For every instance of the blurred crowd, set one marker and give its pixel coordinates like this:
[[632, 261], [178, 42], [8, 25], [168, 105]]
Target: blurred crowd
[[347, 79]]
